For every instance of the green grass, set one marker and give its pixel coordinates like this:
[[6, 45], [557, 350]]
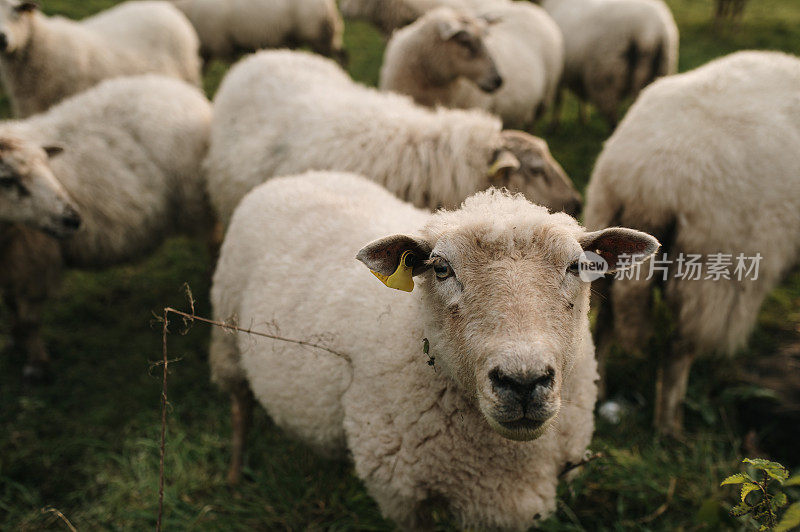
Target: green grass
[[87, 443]]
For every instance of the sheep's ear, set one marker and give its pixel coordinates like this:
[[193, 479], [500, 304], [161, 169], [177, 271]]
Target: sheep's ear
[[24, 7], [448, 29], [53, 149], [620, 247], [396, 259], [504, 162]]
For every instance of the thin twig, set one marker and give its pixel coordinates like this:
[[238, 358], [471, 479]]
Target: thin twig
[[231, 327], [188, 319], [165, 360], [60, 516], [569, 467]]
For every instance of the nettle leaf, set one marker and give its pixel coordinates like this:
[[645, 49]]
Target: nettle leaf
[[778, 501], [773, 469], [794, 480], [790, 519], [747, 488], [741, 509], [738, 478]]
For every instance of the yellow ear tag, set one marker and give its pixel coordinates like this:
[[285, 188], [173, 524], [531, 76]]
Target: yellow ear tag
[[401, 279]]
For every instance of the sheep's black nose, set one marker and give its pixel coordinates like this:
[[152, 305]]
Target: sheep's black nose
[[492, 84], [573, 207], [71, 219], [3, 42], [522, 387]]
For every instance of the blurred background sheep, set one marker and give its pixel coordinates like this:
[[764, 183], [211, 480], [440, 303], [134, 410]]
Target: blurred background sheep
[[744, 110], [227, 28], [306, 113], [85, 444], [614, 48], [512, 67], [45, 59], [130, 174]]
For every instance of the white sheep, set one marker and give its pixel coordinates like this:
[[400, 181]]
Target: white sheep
[[389, 15], [706, 161], [614, 48], [440, 58], [45, 59], [130, 168], [226, 28], [282, 112], [487, 419]]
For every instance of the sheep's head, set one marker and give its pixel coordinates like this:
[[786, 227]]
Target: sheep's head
[[505, 307], [523, 164], [14, 29], [458, 50], [29, 192]]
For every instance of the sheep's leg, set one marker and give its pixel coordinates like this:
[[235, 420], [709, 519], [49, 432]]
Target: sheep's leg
[[241, 418], [671, 383], [26, 336]]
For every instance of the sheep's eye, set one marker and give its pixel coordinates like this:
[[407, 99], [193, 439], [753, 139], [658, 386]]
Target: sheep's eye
[[574, 268], [442, 268], [8, 182]]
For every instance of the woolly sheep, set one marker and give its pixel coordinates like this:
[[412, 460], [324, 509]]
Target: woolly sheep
[[389, 15], [435, 59], [614, 48], [129, 167], [707, 162], [498, 299], [45, 59], [226, 28], [282, 112]]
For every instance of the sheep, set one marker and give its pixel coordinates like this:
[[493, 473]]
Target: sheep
[[706, 161], [613, 49], [226, 28], [128, 176], [487, 419], [440, 58], [45, 59], [389, 15], [284, 112]]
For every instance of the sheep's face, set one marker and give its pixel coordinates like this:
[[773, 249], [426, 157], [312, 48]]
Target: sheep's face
[[459, 50], [505, 307], [14, 27], [523, 164], [29, 192]]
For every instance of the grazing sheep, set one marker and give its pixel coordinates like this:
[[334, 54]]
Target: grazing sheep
[[130, 167], [439, 60], [706, 161], [389, 15], [499, 299], [614, 48], [227, 28], [281, 112], [45, 59]]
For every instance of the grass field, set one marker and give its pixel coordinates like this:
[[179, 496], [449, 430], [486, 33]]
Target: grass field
[[87, 444]]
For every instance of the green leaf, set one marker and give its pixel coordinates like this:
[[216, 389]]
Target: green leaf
[[741, 509], [790, 519], [779, 500], [773, 469], [794, 480], [738, 478], [747, 488]]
